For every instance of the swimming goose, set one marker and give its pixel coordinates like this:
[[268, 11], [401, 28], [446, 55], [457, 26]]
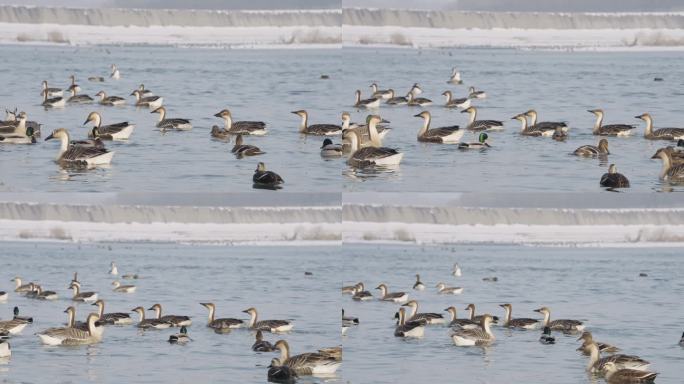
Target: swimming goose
[[152, 102], [110, 100], [661, 133], [267, 325], [368, 134], [241, 150], [386, 295], [76, 155], [113, 270], [561, 324], [278, 373], [670, 171], [597, 363], [215, 323], [462, 103], [455, 77], [473, 94], [478, 318], [521, 323], [306, 363], [409, 328], [444, 135], [613, 179], [257, 128], [427, 317], [350, 289], [545, 125], [74, 87], [480, 125], [53, 102], [143, 91], [174, 320], [360, 294], [123, 288], [51, 92], [34, 290], [261, 345], [71, 319], [371, 155], [587, 339], [481, 143], [116, 75], [177, 123], [264, 178], [79, 99], [82, 296], [414, 101], [373, 102], [381, 93], [546, 337], [118, 131], [95, 142], [74, 336], [396, 100], [609, 130], [456, 270], [418, 286], [615, 375], [21, 288], [40, 294], [328, 149], [462, 323], [316, 129], [5, 349], [482, 336], [114, 318], [676, 153], [415, 89], [591, 150], [442, 289], [180, 337], [528, 131], [150, 323]]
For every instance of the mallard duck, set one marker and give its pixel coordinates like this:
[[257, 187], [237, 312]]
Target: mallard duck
[[613, 179]]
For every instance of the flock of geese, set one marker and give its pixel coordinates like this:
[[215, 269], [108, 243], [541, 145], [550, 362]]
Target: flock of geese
[[476, 329], [284, 368]]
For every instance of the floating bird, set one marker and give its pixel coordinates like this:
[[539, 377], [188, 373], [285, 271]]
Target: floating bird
[[474, 94], [278, 373], [597, 363], [79, 99], [480, 125], [267, 325], [181, 337], [174, 320], [373, 102], [316, 129], [670, 171], [220, 323], [587, 339], [116, 75], [77, 155], [609, 130], [114, 318], [396, 100], [427, 317], [261, 345], [380, 93], [591, 150], [328, 149], [613, 179], [307, 363], [414, 101], [442, 289], [74, 336], [264, 178], [113, 270], [455, 77], [176, 123], [661, 133], [150, 101], [371, 155], [150, 323], [561, 324], [110, 100], [615, 375], [482, 336], [82, 296], [51, 92], [462, 103], [53, 102], [545, 126], [386, 295], [456, 270], [461, 323], [546, 337], [408, 328], [418, 286], [257, 128], [481, 143], [360, 294], [520, 323], [118, 131], [241, 150], [123, 288], [445, 135]]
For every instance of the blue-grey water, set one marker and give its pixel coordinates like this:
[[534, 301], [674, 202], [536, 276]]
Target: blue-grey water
[[180, 277], [268, 84], [600, 286]]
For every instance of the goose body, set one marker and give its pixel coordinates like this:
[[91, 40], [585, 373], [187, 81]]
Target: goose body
[[150, 323], [597, 363], [427, 317], [460, 323], [174, 320], [257, 128], [316, 129], [396, 100], [386, 295], [261, 345], [445, 135], [366, 138], [150, 101], [614, 375], [480, 125], [370, 156], [262, 177], [519, 323], [110, 100], [74, 87], [76, 155], [307, 363], [456, 270], [613, 179], [414, 101], [278, 373], [79, 99], [455, 77], [671, 171], [113, 318], [21, 288], [373, 102], [40, 294], [241, 150], [360, 293], [548, 128], [74, 336], [563, 325], [118, 131], [409, 328], [590, 150], [273, 326], [661, 133], [611, 129], [221, 323], [443, 289], [478, 318], [82, 296], [328, 149], [116, 75], [482, 336], [349, 320], [53, 102], [462, 103], [177, 123]]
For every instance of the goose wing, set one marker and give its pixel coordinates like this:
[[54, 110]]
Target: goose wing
[[549, 125], [225, 323], [522, 322], [669, 132], [442, 131], [67, 333], [323, 129], [463, 323], [113, 128], [615, 128], [402, 330], [271, 324], [587, 150], [111, 318], [267, 177], [77, 152], [484, 124], [614, 180], [426, 316], [676, 171], [632, 376]]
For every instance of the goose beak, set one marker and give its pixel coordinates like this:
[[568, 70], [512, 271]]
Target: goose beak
[[86, 122], [49, 137], [132, 94], [655, 156], [465, 110], [538, 310], [150, 309], [418, 115], [218, 114], [638, 117]]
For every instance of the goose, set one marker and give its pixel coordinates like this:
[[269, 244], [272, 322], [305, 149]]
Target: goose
[[150, 323], [597, 363], [130, 276], [366, 137], [456, 270], [455, 77], [677, 153], [278, 373], [306, 363], [261, 345], [174, 320], [82, 296], [396, 100], [480, 125], [414, 101], [373, 102], [418, 286], [5, 349], [71, 319], [74, 87], [152, 102], [241, 150], [442, 289], [609, 130], [614, 375], [444, 135], [546, 337], [118, 131], [415, 89], [53, 102], [408, 328], [265, 178], [661, 133], [114, 318], [474, 94], [40, 294], [328, 149], [177, 123], [74, 336], [215, 323], [113, 270], [427, 317], [143, 91], [587, 339], [34, 290], [462, 103], [350, 289], [370, 156], [76, 155], [316, 129], [559, 134], [590, 150], [386, 295], [670, 171], [257, 128], [180, 337], [482, 336], [461, 323], [382, 94], [478, 318], [21, 288], [561, 324], [51, 92], [79, 99], [110, 100], [267, 325], [613, 179], [116, 75], [529, 131], [123, 288], [545, 125], [520, 323], [481, 143], [360, 294]]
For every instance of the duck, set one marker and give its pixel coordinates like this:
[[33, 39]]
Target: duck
[[82, 296], [480, 125], [396, 100], [316, 129], [113, 318], [116, 75], [545, 126], [615, 375], [373, 102], [257, 128], [180, 337], [478, 318], [482, 336], [278, 373], [609, 130], [150, 101], [19, 287], [597, 363], [587, 339], [360, 294], [75, 336], [273, 326], [110, 100], [673, 172], [382, 94], [261, 345], [15, 312], [96, 79], [418, 286], [123, 288], [349, 320], [264, 178], [460, 323], [559, 134], [219, 133], [307, 363], [371, 155], [28, 137], [414, 101], [456, 270], [176, 123], [567, 326], [427, 317], [118, 131], [409, 328], [149, 323], [462, 103], [51, 92], [444, 135], [77, 155], [520, 323], [5, 349], [79, 99], [442, 289], [16, 325], [329, 149], [455, 77], [481, 143], [590, 150], [613, 179], [386, 295], [174, 320], [215, 323], [546, 337], [474, 94], [241, 150], [661, 133], [53, 102]]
